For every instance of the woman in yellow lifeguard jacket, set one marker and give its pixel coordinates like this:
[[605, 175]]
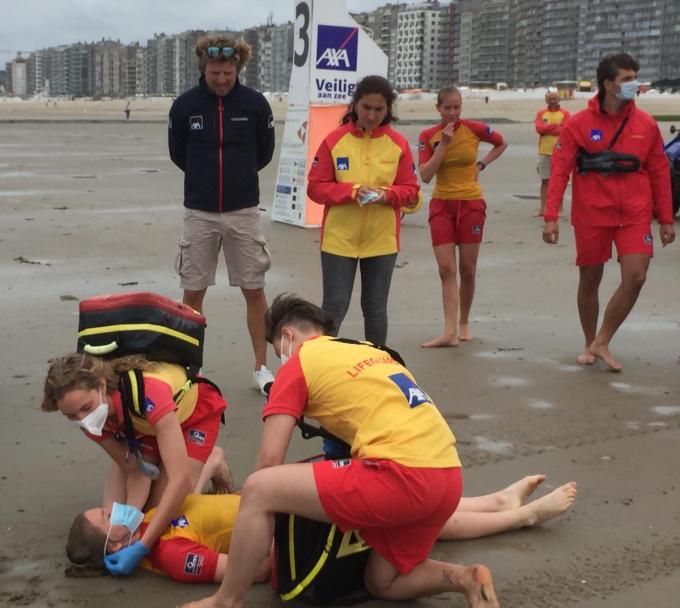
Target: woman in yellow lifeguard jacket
[[175, 426]]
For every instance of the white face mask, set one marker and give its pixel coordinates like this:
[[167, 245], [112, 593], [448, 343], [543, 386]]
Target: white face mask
[[94, 422], [628, 90], [284, 357]]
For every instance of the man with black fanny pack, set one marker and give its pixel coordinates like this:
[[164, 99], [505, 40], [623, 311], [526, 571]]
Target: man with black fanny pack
[[620, 180]]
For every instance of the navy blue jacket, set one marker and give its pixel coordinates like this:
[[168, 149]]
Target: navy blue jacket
[[221, 143]]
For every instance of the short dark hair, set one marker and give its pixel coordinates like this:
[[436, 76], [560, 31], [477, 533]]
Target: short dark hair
[[372, 85], [85, 545], [287, 309], [611, 64]]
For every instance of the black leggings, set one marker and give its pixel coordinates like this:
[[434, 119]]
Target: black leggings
[[376, 275]]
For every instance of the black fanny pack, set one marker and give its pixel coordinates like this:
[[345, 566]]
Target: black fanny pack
[[607, 161]]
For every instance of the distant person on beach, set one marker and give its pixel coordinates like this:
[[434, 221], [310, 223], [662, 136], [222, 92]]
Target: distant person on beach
[[127, 110], [363, 175], [548, 123], [448, 152], [486, 99], [221, 133], [194, 548], [614, 198]]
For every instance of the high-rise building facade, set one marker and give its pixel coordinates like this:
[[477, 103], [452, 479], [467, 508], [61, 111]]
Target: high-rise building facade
[[625, 25], [424, 48]]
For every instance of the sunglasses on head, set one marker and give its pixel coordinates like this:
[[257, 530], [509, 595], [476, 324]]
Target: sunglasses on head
[[225, 51]]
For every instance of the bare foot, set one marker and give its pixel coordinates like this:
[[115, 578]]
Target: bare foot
[[223, 480], [585, 358], [601, 351], [515, 494], [539, 213], [464, 332], [445, 340], [553, 504], [478, 586]]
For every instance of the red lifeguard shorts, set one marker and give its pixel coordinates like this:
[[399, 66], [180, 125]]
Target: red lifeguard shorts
[[456, 221], [594, 243], [399, 511]]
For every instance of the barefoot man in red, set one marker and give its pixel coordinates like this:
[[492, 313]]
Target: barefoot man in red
[[620, 180]]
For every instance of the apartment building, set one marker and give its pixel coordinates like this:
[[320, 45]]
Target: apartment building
[[423, 46], [632, 26]]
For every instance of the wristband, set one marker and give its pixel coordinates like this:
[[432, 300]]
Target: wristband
[[481, 165]]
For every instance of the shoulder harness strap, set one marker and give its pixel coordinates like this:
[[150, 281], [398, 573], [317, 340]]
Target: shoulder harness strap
[[390, 351]]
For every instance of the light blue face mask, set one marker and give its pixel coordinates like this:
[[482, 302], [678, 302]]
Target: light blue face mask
[[628, 90], [124, 515]]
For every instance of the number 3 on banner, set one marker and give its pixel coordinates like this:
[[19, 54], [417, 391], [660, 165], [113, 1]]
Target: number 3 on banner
[[302, 10]]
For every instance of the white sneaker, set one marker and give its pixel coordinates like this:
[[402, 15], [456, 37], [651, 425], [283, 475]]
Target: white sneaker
[[262, 380]]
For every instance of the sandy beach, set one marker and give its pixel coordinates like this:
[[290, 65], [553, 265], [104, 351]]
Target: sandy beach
[[90, 204]]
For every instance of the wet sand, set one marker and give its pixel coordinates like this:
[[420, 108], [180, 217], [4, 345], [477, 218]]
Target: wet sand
[[96, 207]]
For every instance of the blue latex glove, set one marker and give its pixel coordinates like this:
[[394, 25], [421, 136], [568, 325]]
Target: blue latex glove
[[124, 562]]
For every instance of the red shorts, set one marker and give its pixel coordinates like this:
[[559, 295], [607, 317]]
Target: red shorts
[[200, 430], [456, 221], [594, 243], [399, 511]]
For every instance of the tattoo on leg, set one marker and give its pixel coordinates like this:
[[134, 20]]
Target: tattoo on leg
[[447, 577]]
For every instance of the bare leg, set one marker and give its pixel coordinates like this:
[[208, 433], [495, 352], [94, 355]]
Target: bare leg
[[468, 524], [216, 470], [633, 275], [195, 299], [509, 498], [446, 263], [469, 252], [256, 306], [544, 196], [287, 488], [429, 578], [588, 307]]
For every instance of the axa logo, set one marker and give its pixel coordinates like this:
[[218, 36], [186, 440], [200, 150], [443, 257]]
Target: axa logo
[[196, 123], [596, 135], [413, 393], [342, 163], [337, 48], [180, 522]]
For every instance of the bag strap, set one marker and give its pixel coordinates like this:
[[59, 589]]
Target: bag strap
[[618, 132], [390, 351], [131, 387]]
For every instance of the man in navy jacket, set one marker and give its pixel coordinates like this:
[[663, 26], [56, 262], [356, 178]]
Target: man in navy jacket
[[221, 133]]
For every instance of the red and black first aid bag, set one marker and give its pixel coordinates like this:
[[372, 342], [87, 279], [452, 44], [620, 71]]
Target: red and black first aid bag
[[145, 323]]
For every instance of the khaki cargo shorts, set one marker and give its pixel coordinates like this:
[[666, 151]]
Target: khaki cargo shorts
[[237, 233], [544, 167]]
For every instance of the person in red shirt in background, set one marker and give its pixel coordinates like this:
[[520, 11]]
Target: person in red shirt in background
[[448, 151], [548, 123], [611, 207]]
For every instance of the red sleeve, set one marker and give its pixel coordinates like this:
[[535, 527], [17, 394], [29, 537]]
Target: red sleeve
[[322, 186], [425, 151], [288, 394], [158, 399], [484, 132], [541, 127], [563, 164], [404, 189], [184, 560], [658, 168]]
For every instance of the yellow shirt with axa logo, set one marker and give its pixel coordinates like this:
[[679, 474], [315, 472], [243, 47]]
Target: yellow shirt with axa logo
[[544, 118], [456, 178], [348, 158], [363, 396], [205, 520]]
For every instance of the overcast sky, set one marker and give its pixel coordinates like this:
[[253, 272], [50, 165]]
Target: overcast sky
[[28, 25]]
